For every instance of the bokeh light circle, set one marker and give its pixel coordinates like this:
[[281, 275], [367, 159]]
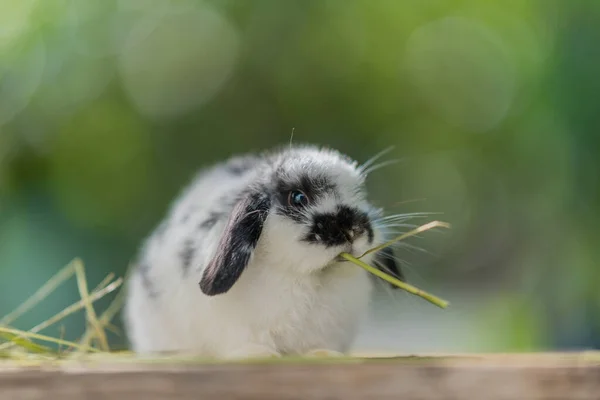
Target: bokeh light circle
[[463, 71], [181, 64]]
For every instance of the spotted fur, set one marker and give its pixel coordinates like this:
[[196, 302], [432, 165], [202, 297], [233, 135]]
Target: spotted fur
[[187, 254]]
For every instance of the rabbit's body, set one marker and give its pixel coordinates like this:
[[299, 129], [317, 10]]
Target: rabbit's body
[[283, 315], [293, 297]]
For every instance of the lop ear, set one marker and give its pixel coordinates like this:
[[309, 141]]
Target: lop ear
[[237, 244], [386, 262]]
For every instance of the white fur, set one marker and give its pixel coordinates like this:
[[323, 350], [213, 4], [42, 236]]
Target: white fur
[[285, 302]]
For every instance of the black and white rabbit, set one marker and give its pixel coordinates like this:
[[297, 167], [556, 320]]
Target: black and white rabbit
[[246, 262]]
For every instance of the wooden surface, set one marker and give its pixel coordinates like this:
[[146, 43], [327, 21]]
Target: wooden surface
[[478, 377]]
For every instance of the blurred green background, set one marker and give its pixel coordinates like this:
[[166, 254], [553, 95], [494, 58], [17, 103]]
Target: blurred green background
[[108, 107]]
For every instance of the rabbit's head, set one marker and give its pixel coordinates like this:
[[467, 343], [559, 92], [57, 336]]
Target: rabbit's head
[[306, 206]]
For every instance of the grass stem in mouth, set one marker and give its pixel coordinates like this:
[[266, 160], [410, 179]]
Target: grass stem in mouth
[[402, 285]]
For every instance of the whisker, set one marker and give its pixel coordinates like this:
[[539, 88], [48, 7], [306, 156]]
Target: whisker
[[395, 232], [385, 269], [371, 160], [413, 247], [393, 257], [292, 137], [251, 212], [405, 216], [412, 226], [380, 165], [399, 203], [412, 213]]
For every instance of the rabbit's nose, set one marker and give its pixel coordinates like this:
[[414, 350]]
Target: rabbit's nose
[[336, 229], [349, 234]]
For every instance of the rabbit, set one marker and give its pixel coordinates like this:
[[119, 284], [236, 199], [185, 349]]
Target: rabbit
[[246, 262]]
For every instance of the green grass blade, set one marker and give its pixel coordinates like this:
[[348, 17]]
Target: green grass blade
[[402, 285], [91, 316], [104, 282], [112, 310], [44, 338], [26, 344], [43, 292], [95, 296]]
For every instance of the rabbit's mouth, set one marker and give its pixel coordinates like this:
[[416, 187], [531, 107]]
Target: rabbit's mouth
[[347, 249]]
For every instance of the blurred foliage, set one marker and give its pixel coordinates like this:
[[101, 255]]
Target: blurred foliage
[[107, 107]]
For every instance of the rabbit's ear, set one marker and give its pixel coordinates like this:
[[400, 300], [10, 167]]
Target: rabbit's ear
[[237, 244], [386, 262]]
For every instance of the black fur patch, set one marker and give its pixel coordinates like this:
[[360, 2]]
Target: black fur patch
[[144, 270], [187, 254], [241, 165], [339, 228], [212, 219], [312, 187], [237, 244], [370, 234], [386, 259]]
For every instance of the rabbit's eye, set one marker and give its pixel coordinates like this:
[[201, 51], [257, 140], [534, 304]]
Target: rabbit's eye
[[297, 198]]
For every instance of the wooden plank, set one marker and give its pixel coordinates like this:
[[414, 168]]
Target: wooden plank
[[493, 377]]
